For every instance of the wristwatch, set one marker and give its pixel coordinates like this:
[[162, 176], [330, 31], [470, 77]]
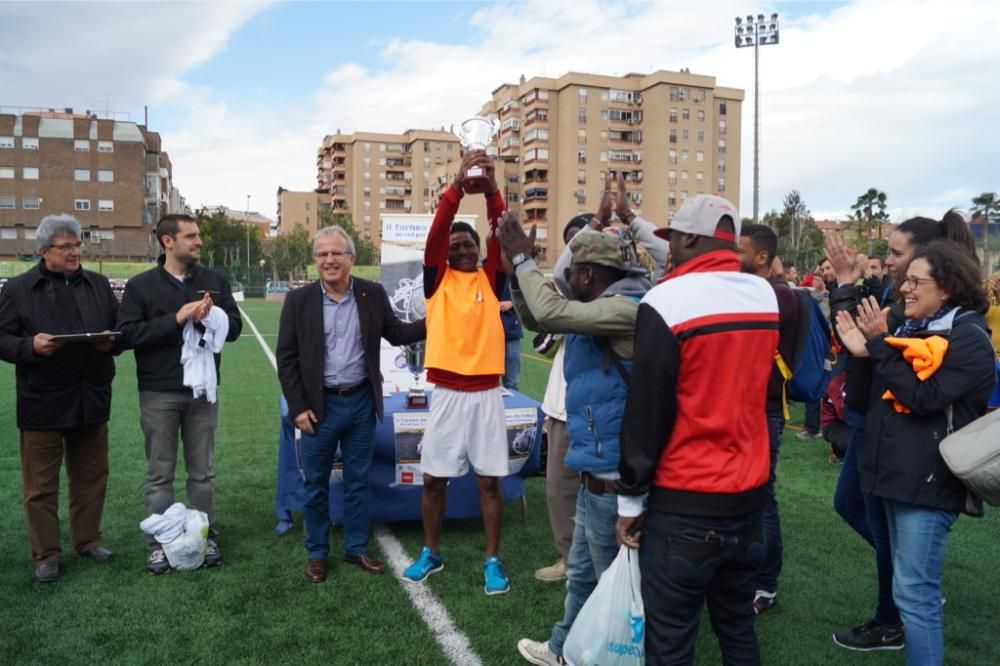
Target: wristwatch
[[519, 259]]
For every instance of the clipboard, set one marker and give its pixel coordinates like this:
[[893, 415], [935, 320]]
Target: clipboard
[[84, 337]]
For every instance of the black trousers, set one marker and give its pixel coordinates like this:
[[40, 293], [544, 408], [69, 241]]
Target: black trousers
[[687, 562]]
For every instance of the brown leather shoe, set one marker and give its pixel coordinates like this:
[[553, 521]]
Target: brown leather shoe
[[366, 562], [316, 571]]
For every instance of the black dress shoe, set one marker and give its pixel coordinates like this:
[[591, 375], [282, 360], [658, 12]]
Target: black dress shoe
[[366, 562], [100, 554], [316, 571]]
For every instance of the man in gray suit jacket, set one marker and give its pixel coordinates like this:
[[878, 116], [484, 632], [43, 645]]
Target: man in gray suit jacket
[[328, 365]]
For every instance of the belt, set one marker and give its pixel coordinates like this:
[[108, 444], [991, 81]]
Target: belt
[[597, 486], [344, 391]]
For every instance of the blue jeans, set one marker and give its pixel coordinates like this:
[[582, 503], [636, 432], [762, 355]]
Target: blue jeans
[[350, 422], [512, 364], [848, 501], [919, 537], [593, 549], [767, 577], [687, 562]]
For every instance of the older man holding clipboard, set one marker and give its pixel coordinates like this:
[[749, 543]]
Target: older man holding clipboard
[[55, 326]]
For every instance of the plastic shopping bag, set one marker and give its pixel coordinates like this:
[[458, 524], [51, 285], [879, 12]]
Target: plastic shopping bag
[[182, 532], [610, 628]]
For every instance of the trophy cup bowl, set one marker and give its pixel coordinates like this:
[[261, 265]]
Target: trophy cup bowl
[[477, 133], [416, 397]]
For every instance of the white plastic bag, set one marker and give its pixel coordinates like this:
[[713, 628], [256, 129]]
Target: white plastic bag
[[610, 628], [182, 532]]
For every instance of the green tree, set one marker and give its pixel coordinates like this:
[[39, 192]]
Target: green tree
[[869, 214], [987, 205], [289, 254], [367, 253], [798, 236], [225, 243]]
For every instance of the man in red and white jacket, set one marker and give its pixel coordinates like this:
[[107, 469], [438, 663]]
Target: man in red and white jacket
[[694, 445]]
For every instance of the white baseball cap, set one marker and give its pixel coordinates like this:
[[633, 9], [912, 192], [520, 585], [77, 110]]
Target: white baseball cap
[[700, 215]]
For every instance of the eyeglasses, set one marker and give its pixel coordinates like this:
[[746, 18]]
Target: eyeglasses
[[332, 255], [66, 248], [914, 282]]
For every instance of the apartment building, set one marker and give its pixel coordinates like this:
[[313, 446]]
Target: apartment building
[[112, 175], [672, 134], [367, 174], [300, 209]]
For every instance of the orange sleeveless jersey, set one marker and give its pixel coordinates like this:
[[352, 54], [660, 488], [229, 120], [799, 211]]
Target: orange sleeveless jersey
[[464, 331]]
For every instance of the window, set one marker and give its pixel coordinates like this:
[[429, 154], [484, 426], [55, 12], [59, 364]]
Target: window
[[604, 156], [105, 147], [701, 116], [105, 176], [721, 165], [684, 155], [581, 137], [673, 115], [673, 136], [8, 233], [701, 136], [31, 203], [381, 161], [81, 204], [6, 172], [427, 161], [367, 205], [699, 156], [722, 146], [684, 176], [368, 218], [699, 95], [81, 146], [672, 198], [30, 173], [29, 234], [721, 186], [81, 175], [109, 205], [699, 176], [722, 127], [583, 95], [581, 176], [581, 197], [367, 175], [427, 149], [684, 195], [6, 142], [605, 114], [368, 147], [29, 142], [672, 177], [381, 147], [581, 157], [686, 114], [684, 135], [581, 115], [8, 202], [671, 156], [722, 108], [674, 94]]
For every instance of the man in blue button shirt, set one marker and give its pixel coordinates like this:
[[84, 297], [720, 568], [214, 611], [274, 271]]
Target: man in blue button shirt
[[328, 364]]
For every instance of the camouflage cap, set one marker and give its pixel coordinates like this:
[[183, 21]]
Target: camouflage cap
[[603, 249]]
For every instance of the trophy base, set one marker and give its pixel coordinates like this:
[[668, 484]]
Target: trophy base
[[416, 399], [474, 183]]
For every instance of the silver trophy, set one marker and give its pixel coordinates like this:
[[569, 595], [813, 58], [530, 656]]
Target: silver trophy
[[477, 133], [416, 397]]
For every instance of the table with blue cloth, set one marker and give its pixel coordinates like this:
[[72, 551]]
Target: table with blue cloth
[[395, 492]]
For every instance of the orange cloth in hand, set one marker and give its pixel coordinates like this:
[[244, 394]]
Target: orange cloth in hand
[[924, 354]]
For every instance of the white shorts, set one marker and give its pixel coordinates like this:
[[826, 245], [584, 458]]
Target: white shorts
[[464, 427]]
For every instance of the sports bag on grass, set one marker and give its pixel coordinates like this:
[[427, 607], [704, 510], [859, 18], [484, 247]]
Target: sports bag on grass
[[610, 628], [973, 455]]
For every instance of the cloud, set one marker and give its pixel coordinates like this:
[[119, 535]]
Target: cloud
[[895, 95]]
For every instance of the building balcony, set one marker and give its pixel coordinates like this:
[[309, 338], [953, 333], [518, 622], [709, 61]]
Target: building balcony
[[398, 162]]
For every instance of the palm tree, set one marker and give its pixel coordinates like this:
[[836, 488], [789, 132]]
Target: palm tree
[[869, 211], [986, 204]]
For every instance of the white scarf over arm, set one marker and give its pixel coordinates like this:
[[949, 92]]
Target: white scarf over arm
[[199, 350]]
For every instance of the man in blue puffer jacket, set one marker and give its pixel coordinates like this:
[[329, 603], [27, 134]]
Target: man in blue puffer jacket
[[606, 284]]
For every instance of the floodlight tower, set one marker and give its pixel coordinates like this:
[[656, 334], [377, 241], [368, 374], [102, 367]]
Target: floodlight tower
[[756, 33]]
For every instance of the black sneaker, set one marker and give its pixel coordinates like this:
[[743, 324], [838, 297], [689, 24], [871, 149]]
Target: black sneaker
[[871, 636], [213, 556], [157, 563]]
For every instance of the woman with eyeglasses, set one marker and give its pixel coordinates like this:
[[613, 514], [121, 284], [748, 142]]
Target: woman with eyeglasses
[[909, 412], [864, 512]]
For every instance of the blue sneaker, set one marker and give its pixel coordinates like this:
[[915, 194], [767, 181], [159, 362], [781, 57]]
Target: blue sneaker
[[496, 579], [425, 565]]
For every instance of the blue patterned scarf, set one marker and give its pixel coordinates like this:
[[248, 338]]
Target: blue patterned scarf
[[911, 326]]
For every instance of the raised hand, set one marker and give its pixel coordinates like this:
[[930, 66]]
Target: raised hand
[[603, 215], [622, 208], [851, 335], [843, 258], [872, 321]]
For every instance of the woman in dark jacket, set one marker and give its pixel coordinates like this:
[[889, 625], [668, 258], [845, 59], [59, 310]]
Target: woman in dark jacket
[[900, 461]]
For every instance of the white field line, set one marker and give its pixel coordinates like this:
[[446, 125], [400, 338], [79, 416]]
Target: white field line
[[453, 642]]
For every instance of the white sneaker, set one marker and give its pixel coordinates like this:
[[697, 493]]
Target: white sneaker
[[538, 652], [552, 574]]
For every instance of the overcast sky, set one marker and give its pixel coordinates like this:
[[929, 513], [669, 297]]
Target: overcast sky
[[902, 96]]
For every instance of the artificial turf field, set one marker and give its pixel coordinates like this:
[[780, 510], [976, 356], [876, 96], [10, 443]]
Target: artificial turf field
[[256, 608]]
